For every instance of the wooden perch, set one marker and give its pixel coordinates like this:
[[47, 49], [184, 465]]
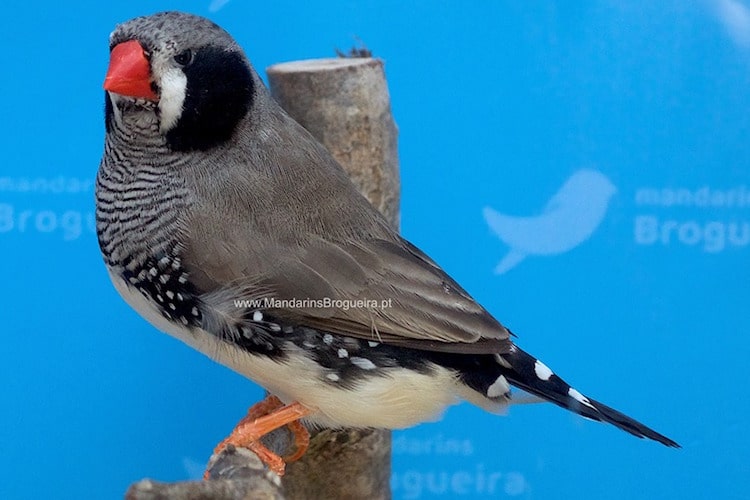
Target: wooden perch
[[236, 474], [345, 104]]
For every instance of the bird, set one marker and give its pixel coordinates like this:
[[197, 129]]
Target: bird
[[225, 224], [569, 218]]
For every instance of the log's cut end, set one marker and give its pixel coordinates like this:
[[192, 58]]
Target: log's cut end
[[324, 64]]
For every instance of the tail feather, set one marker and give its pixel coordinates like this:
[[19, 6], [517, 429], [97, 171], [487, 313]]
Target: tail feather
[[528, 373]]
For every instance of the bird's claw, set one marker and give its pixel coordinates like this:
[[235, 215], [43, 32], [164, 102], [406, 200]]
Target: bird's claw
[[262, 418]]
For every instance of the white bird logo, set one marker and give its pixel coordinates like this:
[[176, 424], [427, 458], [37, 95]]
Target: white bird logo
[[569, 218]]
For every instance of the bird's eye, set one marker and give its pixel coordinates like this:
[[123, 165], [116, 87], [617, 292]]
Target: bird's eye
[[184, 58]]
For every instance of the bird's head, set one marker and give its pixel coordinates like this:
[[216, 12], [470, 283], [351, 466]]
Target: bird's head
[[185, 70]]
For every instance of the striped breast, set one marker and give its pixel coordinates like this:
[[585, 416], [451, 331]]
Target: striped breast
[[140, 203]]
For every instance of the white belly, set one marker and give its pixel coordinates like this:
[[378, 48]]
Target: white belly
[[400, 399]]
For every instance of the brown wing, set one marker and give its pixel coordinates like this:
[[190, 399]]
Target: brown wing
[[380, 290], [294, 227], [413, 302]]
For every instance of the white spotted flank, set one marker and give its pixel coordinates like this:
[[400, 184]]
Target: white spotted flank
[[363, 363]]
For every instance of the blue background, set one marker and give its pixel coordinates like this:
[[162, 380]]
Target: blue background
[[498, 104]]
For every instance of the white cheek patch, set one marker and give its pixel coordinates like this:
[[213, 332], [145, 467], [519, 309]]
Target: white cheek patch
[[173, 89]]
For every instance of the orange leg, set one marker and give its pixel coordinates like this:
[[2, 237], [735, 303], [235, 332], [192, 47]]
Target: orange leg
[[261, 409], [300, 435], [263, 418], [301, 439]]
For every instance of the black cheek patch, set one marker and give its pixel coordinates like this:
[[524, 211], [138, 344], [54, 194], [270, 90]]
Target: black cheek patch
[[219, 93]]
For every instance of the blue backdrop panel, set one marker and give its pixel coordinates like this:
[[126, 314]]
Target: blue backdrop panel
[[584, 171]]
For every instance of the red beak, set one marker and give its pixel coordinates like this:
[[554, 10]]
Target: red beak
[[129, 73]]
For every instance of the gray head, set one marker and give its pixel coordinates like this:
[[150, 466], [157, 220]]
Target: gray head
[[168, 33], [186, 70]]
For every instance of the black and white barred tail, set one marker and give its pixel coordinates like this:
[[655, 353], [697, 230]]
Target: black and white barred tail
[[528, 373]]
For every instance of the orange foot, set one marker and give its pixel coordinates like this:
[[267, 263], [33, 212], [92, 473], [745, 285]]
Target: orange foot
[[263, 418]]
